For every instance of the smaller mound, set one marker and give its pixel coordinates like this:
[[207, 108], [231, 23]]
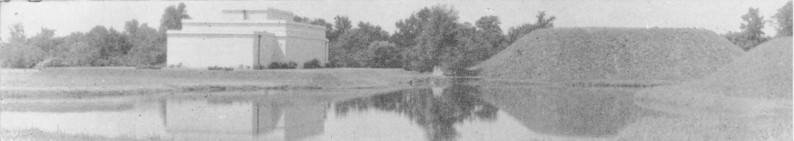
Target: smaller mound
[[611, 55], [758, 82]]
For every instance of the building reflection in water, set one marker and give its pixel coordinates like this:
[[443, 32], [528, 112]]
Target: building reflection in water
[[435, 113], [242, 120]]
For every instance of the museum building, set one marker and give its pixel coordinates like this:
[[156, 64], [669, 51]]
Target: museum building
[[244, 39]]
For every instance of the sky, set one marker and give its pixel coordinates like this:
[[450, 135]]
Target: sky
[[721, 16]]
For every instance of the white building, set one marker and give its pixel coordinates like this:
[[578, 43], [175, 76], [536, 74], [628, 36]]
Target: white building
[[245, 39]]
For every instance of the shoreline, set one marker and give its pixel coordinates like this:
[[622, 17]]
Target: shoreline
[[118, 81]]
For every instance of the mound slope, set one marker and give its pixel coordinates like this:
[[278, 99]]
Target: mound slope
[[759, 81], [751, 98], [611, 54]]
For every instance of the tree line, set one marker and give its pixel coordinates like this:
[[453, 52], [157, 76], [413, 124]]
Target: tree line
[[430, 37], [137, 45], [752, 33]]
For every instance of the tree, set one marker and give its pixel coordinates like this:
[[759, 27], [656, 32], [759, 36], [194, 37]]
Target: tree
[[783, 20], [79, 51], [76, 51], [44, 41], [353, 44], [381, 54], [18, 34], [754, 24], [148, 45], [131, 27], [301, 19], [342, 24], [172, 18], [436, 40], [112, 45], [488, 30], [18, 53], [752, 32], [138, 44], [433, 37], [405, 36], [375, 32], [542, 22], [409, 29]]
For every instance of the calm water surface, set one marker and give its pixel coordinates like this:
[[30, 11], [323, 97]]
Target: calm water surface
[[457, 112]]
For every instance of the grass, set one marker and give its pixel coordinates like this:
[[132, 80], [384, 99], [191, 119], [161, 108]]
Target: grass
[[749, 99], [36, 134], [611, 55], [130, 81], [758, 82]]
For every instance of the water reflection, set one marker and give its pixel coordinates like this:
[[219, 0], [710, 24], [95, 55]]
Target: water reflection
[[568, 111], [243, 120], [457, 112], [435, 112]]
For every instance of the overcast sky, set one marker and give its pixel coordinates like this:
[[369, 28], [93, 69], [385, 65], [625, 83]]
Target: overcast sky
[[66, 16]]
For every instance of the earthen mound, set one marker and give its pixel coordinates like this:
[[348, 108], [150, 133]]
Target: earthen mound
[[622, 55]]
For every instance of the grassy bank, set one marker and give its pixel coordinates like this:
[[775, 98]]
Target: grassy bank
[[126, 81], [611, 56]]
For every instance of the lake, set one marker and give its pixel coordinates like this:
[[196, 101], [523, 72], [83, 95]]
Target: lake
[[457, 112]]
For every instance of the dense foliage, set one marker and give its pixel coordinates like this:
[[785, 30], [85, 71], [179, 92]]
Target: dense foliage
[[752, 33], [311, 64], [542, 22], [280, 65], [432, 37], [783, 20], [137, 45]]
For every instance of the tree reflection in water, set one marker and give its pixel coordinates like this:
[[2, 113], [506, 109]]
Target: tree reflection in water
[[435, 113]]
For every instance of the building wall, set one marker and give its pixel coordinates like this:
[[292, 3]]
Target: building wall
[[206, 50], [269, 49], [239, 27], [305, 43], [266, 36], [301, 50]]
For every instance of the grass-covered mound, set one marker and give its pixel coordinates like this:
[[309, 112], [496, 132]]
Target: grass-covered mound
[[611, 54], [749, 99], [758, 82]]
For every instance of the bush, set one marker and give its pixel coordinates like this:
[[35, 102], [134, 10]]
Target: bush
[[291, 65], [314, 63], [259, 67], [331, 64], [274, 65], [220, 68], [277, 65]]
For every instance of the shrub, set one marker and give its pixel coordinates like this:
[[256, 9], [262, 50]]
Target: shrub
[[331, 64], [259, 67], [314, 63], [291, 65], [274, 65], [220, 68], [277, 65]]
